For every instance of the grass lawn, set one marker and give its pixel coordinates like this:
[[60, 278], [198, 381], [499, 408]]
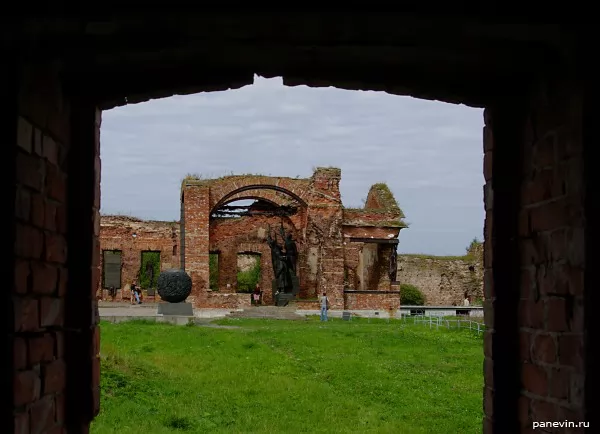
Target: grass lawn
[[276, 376]]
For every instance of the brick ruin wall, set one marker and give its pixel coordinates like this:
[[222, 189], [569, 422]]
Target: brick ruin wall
[[316, 229], [132, 236], [444, 280]]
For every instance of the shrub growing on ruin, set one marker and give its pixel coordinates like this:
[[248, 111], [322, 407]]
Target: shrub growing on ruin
[[410, 295]]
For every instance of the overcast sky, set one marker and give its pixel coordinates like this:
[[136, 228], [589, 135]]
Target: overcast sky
[[429, 153]]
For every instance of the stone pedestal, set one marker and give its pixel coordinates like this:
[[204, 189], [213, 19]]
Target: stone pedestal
[[295, 285], [176, 309], [283, 299]]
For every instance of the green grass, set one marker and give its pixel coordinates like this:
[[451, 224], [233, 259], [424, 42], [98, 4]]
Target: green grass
[[276, 376]]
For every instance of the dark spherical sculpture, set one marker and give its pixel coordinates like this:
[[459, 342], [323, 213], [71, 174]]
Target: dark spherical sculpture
[[174, 285]]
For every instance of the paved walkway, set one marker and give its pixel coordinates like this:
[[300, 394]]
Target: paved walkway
[[124, 311]]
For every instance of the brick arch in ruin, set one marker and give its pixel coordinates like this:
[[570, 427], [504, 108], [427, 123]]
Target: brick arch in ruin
[[230, 237], [273, 193], [315, 224]]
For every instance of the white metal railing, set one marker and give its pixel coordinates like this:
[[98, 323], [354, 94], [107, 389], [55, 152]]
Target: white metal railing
[[449, 323]]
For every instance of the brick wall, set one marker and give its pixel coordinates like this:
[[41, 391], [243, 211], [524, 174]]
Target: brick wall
[[551, 236], [56, 368], [40, 280], [316, 228], [547, 240], [196, 233], [322, 229], [372, 300], [117, 233], [229, 237]]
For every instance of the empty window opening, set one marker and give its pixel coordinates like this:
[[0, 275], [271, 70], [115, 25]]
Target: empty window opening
[[248, 271]]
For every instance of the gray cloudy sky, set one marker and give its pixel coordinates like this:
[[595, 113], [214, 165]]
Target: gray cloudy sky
[[429, 153]]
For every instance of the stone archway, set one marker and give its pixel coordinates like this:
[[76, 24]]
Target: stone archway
[[306, 197]]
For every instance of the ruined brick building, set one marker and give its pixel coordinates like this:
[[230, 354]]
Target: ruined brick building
[[345, 252], [529, 71]]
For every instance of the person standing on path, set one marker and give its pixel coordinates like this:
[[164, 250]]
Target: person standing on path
[[324, 307]]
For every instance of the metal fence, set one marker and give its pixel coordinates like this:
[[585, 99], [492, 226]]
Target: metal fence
[[449, 323], [430, 321]]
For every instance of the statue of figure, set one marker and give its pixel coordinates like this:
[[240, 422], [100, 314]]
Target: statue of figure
[[280, 266], [393, 267], [291, 250]]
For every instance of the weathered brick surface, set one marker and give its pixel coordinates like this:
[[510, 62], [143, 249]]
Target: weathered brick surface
[[319, 228], [378, 300], [41, 252], [551, 229], [478, 67], [329, 257], [553, 259], [117, 233]]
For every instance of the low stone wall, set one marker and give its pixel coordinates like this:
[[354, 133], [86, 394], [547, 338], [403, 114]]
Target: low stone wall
[[218, 300], [371, 300], [124, 294]]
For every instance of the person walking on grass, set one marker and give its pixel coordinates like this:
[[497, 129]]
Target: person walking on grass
[[324, 307]]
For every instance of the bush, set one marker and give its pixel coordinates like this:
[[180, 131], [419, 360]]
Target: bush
[[411, 295]]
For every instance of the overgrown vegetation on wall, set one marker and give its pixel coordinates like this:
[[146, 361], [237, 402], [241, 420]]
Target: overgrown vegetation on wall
[[410, 295], [149, 259], [213, 271], [247, 280]]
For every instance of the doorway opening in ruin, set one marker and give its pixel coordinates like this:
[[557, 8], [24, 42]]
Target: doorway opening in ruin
[[111, 269], [213, 270], [347, 250], [149, 270], [248, 271]]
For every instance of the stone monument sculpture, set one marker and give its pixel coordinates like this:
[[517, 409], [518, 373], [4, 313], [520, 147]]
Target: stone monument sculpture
[[174, 286], [285, 285], [291, 250]]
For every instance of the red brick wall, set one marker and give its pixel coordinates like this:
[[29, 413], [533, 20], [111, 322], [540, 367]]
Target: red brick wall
[[41, 278], [116, 233], [369, 231], [196, 232], [375, 300], [248, 234], [54, 346], [550, 237], [317, 231]]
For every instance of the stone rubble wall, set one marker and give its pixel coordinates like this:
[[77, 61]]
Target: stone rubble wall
[[444, 280]]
